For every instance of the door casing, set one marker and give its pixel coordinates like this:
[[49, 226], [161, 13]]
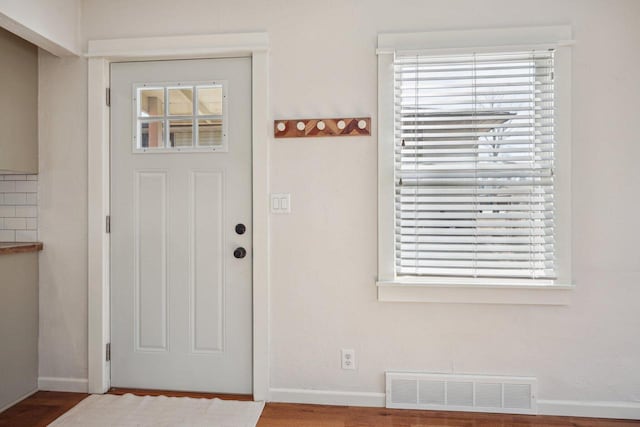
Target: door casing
[[101, 53]]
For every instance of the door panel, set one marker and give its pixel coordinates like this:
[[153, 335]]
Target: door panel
[[150, 260], [207, 272], [180, 301]]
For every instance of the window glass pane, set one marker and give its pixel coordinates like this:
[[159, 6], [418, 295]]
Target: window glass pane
[[151, 102], [151, 134], [181, 133], [210, 101], [180, 101], [209, 132]]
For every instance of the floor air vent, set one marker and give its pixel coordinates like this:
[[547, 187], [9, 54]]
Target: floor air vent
[[449, 392]]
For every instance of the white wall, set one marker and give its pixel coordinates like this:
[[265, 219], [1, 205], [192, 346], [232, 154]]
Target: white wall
[[18, 327], [323, 255], [63, 217], [51, 25]]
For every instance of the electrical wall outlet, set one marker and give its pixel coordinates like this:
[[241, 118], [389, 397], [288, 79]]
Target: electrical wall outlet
[[348, 358]]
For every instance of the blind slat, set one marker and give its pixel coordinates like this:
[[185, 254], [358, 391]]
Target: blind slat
[[471, 255], [411, 270], [490, 249], [412, 143]]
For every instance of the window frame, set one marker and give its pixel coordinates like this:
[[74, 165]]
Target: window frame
[[165, 118], [464, 289]]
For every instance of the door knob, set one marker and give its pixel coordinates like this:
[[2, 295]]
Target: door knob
[[240, 252], [240, 228]]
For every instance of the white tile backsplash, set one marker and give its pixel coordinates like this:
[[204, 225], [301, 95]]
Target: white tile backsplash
[[8, 211], [26, 236], [18, 208], [24, 211], [13, 177], [7, 186], [15, 198], [15, 224], [31, 199], [7, 236], [26, 186]]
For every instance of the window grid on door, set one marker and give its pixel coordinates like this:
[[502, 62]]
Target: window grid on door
[[180, 117]]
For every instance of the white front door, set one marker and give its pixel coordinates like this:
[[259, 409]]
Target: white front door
[[180, 198]]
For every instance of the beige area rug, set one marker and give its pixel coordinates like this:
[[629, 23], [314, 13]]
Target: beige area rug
[[129, 410]]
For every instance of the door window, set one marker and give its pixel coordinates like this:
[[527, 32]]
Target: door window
[[180, 117]]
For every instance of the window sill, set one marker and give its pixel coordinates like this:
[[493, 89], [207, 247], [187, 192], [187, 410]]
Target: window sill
[[488, 293]]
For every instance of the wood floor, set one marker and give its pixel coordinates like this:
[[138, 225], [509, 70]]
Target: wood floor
[[45, 406], [40, 409]]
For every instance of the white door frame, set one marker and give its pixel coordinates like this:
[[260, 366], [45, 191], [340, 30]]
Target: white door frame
[[100, 54]]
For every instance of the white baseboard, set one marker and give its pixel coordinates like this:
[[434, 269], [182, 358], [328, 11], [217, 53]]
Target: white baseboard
[[327, 397], [592, 409], [78, 385], [575, 408], [9, 405]]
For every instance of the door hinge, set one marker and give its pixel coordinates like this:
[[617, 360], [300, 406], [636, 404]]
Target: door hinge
[[108, 224], [108, 352], [108, 97]]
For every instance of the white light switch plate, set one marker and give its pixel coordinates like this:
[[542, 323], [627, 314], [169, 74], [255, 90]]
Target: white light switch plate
[[280, 203]]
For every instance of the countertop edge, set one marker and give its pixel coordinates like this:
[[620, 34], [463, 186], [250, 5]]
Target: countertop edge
[[20, 247]]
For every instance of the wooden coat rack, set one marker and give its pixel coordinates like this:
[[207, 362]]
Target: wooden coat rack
[[309, 128]]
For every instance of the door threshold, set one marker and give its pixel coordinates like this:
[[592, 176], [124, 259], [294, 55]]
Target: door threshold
[[170, 393]]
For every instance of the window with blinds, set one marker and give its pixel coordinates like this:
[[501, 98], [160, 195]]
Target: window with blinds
[[474, 165]]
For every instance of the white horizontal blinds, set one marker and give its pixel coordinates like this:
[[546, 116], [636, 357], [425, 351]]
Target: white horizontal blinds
[[474, 165]]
